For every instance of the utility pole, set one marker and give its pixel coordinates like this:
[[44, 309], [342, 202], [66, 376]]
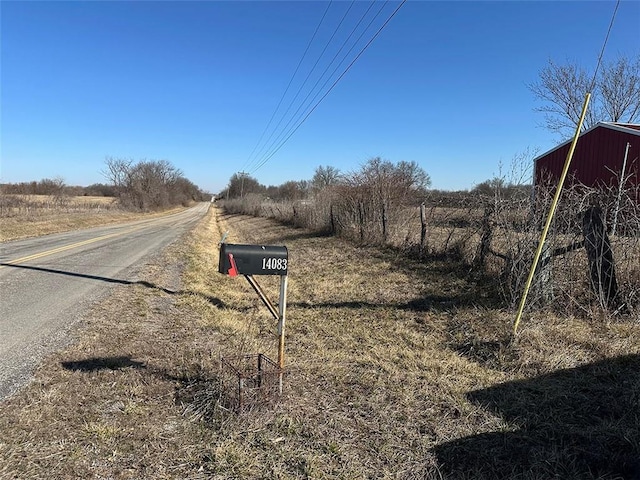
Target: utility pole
[[242, 175]]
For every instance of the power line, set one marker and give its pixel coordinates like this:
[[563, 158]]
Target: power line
[[604, 45], [266, 159], [289, 84], [258, 156], [304, 106]]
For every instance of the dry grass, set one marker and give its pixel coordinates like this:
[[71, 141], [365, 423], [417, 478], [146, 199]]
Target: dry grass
[[46, 200], [23, 216], [396, 369], [494, 236]]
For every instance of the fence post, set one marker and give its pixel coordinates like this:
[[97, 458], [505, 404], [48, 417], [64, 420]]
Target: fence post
[[385, 222], [332, 219], [423, 227], [545, 280], [485, 235], [361, 218], [601, 266]]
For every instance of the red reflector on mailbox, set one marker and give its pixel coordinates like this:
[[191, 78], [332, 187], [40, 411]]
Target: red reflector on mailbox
[[253, 259]]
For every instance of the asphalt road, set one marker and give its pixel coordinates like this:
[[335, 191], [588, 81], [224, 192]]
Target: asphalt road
[[48, 283]]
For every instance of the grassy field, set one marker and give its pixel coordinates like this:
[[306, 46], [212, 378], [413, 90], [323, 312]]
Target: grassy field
[[395, 369], [23, 216]]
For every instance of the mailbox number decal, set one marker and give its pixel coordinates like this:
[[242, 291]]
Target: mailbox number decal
[[274, 263]]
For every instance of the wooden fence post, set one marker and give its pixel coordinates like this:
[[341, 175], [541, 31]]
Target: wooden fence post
[[385, 222], [423, 228], [485, 235], [361, 219], [332, 220], [544, 280], [601, 265]]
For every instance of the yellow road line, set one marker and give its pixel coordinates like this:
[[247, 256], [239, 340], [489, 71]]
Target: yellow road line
[[67, 247]]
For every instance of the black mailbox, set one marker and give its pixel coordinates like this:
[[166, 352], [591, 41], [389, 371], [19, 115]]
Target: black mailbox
[[253, 260]]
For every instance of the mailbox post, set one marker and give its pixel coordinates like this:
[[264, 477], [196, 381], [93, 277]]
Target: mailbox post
[[250, 260]]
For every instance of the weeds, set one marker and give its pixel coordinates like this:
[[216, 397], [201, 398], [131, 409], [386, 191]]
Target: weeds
[[494, 233], [396, 368], [25, 216]]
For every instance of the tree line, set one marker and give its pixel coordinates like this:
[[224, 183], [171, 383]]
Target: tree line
[[57, 187], [242, 185], [406, 179], [146, 185]]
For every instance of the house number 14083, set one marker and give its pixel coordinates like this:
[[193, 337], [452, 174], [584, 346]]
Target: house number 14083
[[274, 263]]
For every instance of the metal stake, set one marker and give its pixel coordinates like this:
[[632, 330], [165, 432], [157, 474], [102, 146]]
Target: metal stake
[[282, 305], [279, 314]]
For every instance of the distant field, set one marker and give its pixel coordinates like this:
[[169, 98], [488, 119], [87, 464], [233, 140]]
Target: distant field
[[47, 200], [23, 216]]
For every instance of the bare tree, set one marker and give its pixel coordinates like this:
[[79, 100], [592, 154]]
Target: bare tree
[[150, 184], [401, 184], [241, 184], [117, 171], [325, 177], [379, 191], [563, 87], [412, 179], [292, 190], [51, 186], [620, 86]]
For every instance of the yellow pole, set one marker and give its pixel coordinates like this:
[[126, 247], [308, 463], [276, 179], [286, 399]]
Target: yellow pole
[[552, 211]]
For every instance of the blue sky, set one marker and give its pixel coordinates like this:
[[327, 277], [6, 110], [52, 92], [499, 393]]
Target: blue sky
[[195, 83]]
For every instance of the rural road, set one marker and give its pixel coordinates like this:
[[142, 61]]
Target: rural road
[[47, 283]]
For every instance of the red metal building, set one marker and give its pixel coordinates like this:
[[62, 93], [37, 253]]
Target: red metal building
[[598, 160]]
